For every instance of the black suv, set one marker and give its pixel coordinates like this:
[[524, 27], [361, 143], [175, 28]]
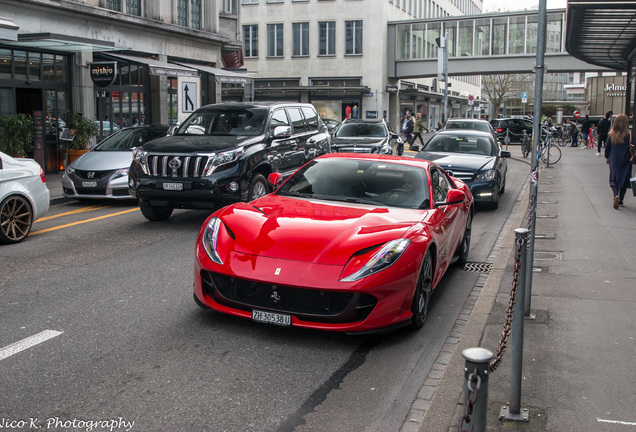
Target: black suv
[[223, 153], [516, 126], [364, 136]]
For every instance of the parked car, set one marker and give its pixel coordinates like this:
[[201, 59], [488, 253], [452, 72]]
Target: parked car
[[515, 126], [24, 197], [350, 243], [103, 171], [470, 124], [474, 157], [223, 153], [330, 123], [364, 136]]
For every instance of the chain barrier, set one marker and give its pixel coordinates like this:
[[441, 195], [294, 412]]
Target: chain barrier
[[472, 391], [505, 334]]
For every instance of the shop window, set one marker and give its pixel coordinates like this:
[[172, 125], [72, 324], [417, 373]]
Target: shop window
[[60, 69], [34, 66], [48, 67], [19, 64], [5, 64]]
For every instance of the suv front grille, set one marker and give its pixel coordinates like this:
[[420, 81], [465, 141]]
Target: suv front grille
[[308, 304], [176, 166]]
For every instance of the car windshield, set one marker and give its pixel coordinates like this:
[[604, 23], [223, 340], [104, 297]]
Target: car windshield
[[484, 127], [124, 140], [225, 122], [360, 181], [460, 144], [352, 130]]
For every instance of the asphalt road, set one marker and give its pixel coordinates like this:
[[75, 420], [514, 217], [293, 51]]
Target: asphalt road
[[118, 337]]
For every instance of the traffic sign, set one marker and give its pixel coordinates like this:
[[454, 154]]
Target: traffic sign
[[524, 97], [577, 114]]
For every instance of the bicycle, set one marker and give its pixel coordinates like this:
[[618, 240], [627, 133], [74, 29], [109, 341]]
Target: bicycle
[[526, 144], [548, 152]]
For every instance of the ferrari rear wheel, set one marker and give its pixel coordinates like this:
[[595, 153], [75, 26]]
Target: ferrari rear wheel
[[422, 295]]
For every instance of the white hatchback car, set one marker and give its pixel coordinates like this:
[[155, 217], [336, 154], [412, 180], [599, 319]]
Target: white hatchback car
[[24, 197]]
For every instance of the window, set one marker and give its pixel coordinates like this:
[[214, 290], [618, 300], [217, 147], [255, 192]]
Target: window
[[182, 13], [230, 6], [249, 1], [300, 42], [353, 37], [195, 12], [250, 40], [311, 118], [297, 120], [327, 38], [113, 5], [279, 118], [274, 40], [133, 7], [440, 186]]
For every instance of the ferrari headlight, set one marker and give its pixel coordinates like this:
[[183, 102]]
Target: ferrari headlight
[[383, 259], [139, 156], [210, 238], [486, 175], [223, 159]]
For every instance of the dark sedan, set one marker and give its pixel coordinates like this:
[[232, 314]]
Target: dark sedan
[[364, 136], [474, 157]]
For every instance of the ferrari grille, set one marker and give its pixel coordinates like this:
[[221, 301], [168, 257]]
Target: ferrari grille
[[180, 166], [306, 304]]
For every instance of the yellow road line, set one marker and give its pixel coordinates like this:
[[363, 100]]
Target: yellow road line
[[83, 221], [82, 210]]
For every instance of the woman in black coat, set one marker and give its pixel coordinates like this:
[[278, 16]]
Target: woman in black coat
[[617, 157]]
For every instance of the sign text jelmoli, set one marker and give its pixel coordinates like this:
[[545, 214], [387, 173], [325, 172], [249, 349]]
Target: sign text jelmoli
[[103, 74], [615, 90]]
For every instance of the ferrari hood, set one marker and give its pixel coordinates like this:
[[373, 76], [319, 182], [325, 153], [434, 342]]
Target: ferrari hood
[[320, 232], [451, 161]]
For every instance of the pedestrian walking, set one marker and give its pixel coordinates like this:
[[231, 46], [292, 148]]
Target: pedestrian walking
[[408, 129], [574, 133], [585, 130], [602, 130], [591, 136], [419, 125], [617, 157]]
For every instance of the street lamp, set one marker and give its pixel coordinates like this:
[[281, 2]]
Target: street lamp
[[442, 69]]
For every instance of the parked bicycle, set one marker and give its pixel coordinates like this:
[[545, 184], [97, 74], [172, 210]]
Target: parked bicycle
[[548, 151]]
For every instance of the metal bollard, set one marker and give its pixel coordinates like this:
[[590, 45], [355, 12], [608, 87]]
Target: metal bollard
[[514, 411], [476, 389]]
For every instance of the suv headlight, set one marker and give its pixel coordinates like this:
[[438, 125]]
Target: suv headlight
[[383, 259], [223, 158], [140, 156], [486, 176]]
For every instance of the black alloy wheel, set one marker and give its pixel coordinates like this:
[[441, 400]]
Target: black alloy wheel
[[16, 219], [422, 295]]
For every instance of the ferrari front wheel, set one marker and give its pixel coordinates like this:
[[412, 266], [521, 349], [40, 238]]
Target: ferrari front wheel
[[422, 295]]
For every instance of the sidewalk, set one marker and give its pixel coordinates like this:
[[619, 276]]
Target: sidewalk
[[579, 351]]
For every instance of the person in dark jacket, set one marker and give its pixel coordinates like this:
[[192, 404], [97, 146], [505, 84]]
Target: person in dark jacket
[[617, 157], [602, 131], [574, 133], [585, 130]]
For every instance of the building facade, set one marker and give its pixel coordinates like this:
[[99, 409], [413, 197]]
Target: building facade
[[333, 54], [119, 62]]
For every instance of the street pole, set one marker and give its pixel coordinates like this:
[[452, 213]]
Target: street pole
[[442, 44]]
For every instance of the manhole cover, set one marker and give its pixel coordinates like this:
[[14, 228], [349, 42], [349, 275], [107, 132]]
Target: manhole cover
[[478, 267]]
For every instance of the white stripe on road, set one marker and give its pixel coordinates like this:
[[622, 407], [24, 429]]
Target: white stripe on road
[[18, 346], [616, 422]]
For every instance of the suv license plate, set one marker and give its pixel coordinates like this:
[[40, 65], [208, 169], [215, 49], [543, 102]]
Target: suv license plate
[[271, 318], [173, 186], [89, 184]]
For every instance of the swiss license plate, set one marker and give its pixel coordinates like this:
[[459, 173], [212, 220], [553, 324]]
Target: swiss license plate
[[271, 318], [173, 186], [89, 184]]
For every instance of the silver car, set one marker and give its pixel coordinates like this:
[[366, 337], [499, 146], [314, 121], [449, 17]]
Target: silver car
[[24, 197], [103, 171]]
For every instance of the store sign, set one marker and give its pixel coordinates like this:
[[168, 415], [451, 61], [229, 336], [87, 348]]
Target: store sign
[[391, 89], [612, 90], [103, 74], [372, 114]]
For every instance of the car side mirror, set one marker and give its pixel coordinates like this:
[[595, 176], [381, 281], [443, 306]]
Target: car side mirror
[[282, 132], [455, 196], [274, 178], [504, 154]]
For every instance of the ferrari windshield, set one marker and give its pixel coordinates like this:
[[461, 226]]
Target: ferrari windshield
[[360, 181], [225, 122]]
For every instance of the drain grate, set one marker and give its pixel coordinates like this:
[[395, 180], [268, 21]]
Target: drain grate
[[478, 267], [544, 255]]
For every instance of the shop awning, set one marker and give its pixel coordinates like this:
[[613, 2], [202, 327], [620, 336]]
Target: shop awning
[[223, 76], [602, 33], [62, 43], [157, 67]]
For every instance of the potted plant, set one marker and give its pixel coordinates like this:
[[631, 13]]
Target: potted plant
[[16, 135], [83, 131]]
